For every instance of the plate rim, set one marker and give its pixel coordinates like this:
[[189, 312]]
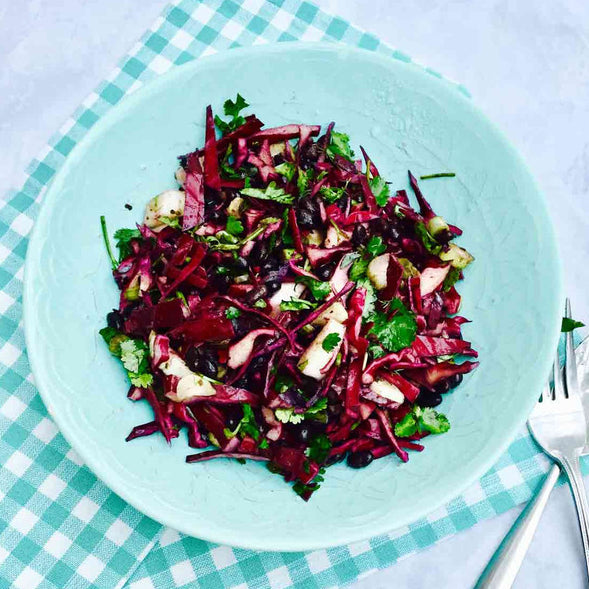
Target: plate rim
[[289, 544]]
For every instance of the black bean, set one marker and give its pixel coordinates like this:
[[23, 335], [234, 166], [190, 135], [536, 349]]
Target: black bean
[[392, 232], [334, 459], [240, 265], [221, 282], [192, 359], [444, 236], [324, 272], [455, 380], [272, 286], [259, 253], [305, 219], [381, 226], [208, 367], [114, 319], [359, 235], [278, 159], [183, 161], [360, 459], [270, 266], [428, 398], [232, 420], [442, 386], [302, 434], [217, 216]]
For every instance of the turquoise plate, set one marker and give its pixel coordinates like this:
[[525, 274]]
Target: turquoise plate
[[406, 119]]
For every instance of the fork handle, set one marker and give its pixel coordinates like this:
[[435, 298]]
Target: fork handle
[[506, 562], [572, 469]]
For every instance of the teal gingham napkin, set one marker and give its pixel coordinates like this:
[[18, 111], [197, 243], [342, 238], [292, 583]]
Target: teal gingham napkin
[[62, 528]]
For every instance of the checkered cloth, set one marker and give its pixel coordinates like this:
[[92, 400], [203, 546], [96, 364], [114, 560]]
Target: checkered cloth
[[62, 528]]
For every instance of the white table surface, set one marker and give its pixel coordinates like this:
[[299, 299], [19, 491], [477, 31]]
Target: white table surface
[[526, 64]]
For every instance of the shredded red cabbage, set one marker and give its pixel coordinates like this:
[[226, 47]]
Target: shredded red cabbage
[[283, 305]]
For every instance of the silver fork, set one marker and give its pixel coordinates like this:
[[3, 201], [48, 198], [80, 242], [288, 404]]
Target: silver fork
[[559, 425]]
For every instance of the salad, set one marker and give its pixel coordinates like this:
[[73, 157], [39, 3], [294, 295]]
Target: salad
[[284, 305]]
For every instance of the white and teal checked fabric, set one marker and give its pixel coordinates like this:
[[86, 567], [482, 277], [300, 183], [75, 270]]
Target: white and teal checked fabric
[[59, 526]]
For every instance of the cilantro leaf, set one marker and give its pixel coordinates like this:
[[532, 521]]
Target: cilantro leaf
[[569, 324], [263, 444], [358, 269], [232, 109], [380, 189], [271, 192], [123, 238], [321, 405], [406, 427], [429, 242], [330, 194], [376, 351], [318, 288], [395, 333], [422, 420], [288, 415], [170, 221], [234, 226], [339, 144], [331, 342], [283, 383], [232, 313], [376, 246], [296, 305], [451, 279], [141, 380], [260, 304], [286, 169], [319, 448], [371, 298], [303, 180], [248, 425], [433, 422]]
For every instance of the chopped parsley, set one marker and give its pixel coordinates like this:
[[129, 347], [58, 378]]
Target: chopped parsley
[[303, 180], [232, 313], [271, 192], [234, 226], [331, 342], [380, 189], [395, 333], [422, 420], [358, 269], [451, 279], [319, 289], [297, 305], [133, 353], [260, 304], [429, 242], [376, 246], [232, 109], [124, 237], [331, 195], [319, 448], [286, 169], [339, 144]]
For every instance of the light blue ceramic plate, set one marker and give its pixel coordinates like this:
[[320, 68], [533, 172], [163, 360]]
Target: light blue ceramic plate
[[405, 118]]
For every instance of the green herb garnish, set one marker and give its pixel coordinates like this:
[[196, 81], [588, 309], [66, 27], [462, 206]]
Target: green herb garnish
[[439, 175], [380, 189], [376, 246], [232, 109], [271, 192], [339, 144], [234, 226], [395, 333], [331, 342], [232, 313]]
